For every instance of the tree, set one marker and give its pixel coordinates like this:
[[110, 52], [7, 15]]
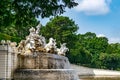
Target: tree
[[90, 47], [28, 9], [110, 61], [44, 8], [13, 21], [62, 29], [22, 13]]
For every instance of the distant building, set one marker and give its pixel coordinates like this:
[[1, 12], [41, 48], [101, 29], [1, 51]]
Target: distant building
[[8, 61]]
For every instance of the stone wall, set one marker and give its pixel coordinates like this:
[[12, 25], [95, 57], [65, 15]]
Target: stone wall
[[8, 62], [3, 64]]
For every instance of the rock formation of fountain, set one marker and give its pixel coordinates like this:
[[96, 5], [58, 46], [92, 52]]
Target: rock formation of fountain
[[40, 61]]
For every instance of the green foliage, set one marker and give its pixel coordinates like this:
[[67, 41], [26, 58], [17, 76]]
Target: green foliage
[[7, 37], [19, 15], [25, 11], [4, 37], [110, 61], [93, 46], [62, 29], [15, 39], [44, 8]]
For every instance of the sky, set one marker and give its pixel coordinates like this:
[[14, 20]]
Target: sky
[[98, 16]]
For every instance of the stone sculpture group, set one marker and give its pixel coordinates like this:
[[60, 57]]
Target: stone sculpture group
[[35, 42]]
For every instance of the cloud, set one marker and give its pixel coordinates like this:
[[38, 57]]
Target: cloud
[[110, 40], [93, 7], [100, 35], [114, 40]]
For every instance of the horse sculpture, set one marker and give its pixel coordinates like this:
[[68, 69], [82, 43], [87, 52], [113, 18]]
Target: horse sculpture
[[63, 49], [51, 46]]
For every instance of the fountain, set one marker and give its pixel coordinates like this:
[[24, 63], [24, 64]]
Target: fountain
[[40, 61]]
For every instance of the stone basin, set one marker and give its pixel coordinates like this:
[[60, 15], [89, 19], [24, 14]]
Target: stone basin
[[45, 74], [39, 60], [44, 66]]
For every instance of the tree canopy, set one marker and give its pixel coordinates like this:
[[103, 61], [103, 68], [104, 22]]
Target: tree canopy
[[20, 15], [44, 8], [62, 29], [23, 11]]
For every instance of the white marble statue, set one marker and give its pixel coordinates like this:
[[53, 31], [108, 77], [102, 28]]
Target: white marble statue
[[3, 42], [34, 38], [38, 28], [33, 41], [13, 47], [30, 42], [63, 49], [51, 45], [32, 31], [43, 41], [8, 42], [40, 37], [21, 46], [36, 42]]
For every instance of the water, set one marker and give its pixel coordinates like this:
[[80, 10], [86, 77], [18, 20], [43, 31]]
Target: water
[[101, 78]]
